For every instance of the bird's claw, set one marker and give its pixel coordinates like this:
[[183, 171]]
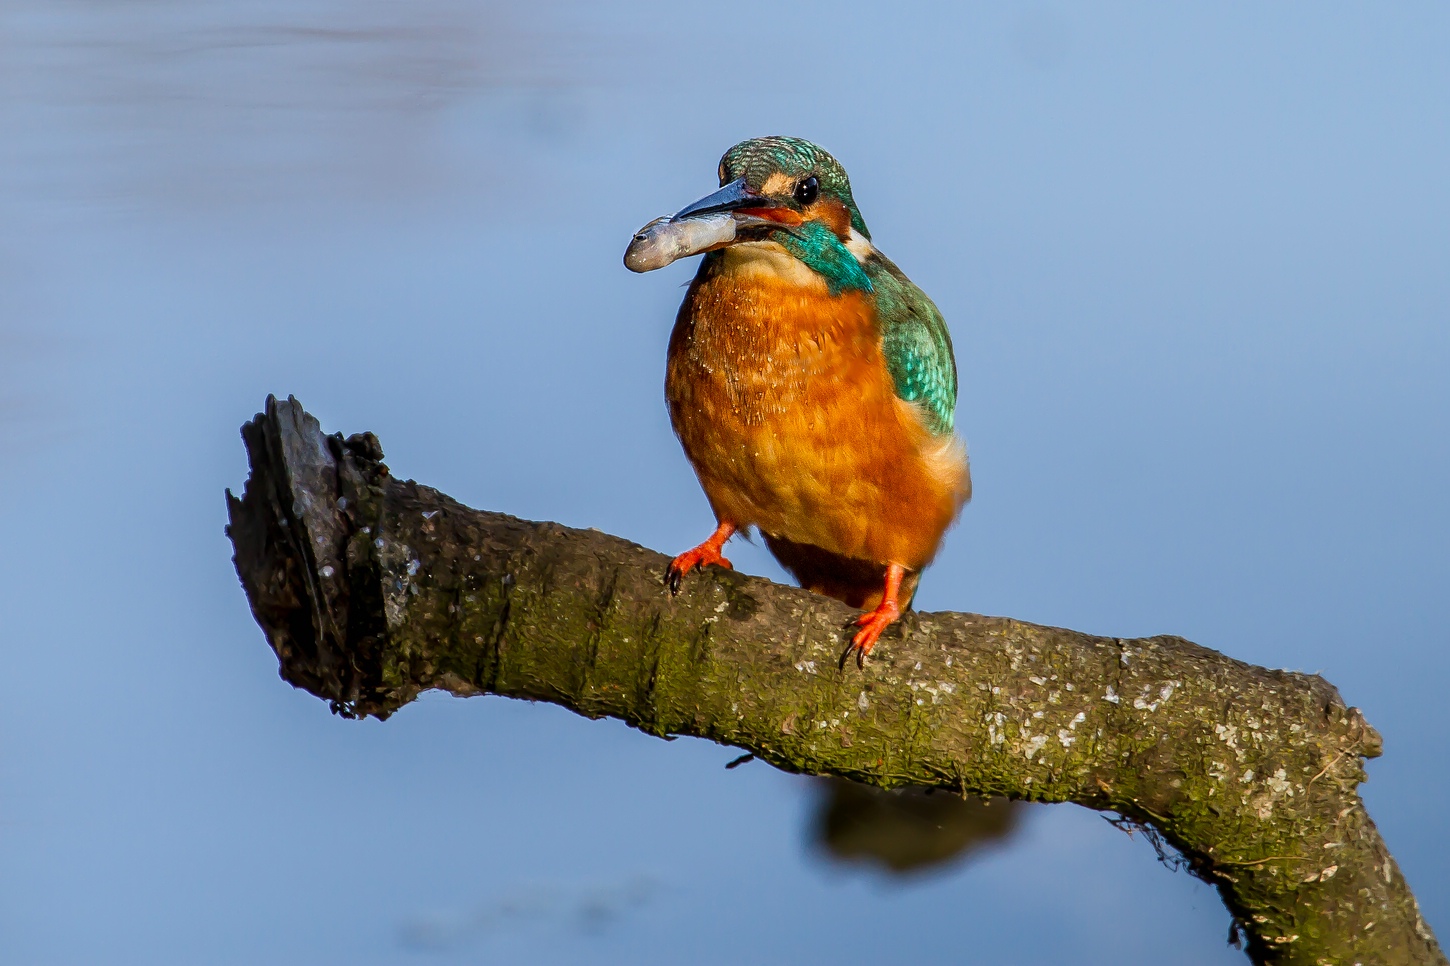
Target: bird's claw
[[871, 625], [692, 560]]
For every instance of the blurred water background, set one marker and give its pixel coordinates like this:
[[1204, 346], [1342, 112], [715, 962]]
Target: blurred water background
[[1195, 263]]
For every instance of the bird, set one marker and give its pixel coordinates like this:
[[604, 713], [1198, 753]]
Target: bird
[[811, 384]]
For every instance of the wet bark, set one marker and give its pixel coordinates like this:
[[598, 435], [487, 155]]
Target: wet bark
[[372, 589]]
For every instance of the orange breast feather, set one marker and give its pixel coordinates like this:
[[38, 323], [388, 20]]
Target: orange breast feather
[[783, 402]]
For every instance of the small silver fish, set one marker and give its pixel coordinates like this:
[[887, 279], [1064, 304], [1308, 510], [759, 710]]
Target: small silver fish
[[666, 239]]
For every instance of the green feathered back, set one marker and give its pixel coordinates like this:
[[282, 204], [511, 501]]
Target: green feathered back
[[917, 345]]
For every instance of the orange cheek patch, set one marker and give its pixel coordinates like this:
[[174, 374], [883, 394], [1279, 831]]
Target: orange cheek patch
[[831, 213], [835, 216]]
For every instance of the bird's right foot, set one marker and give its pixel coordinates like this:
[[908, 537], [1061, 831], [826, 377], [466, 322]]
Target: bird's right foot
[[706, 553], [873, 622]]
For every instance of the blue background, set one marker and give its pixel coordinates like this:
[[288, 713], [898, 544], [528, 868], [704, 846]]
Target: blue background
[[1195, 263]]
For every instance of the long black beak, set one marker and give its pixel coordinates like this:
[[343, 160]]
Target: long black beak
[[736, 194]]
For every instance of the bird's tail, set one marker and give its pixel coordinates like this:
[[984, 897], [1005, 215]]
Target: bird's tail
[[858, 583]]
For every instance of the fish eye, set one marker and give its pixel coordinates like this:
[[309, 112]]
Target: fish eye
[[807, 189]]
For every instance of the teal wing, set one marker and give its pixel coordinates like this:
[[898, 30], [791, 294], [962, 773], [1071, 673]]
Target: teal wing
[[916, 342]]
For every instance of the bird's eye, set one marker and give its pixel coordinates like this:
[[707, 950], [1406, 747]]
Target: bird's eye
[[807, 189]]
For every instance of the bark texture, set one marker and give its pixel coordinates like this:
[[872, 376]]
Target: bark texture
[[372, 589]]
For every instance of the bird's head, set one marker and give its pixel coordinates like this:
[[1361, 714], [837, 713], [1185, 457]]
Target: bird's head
[[775, 193], [785, 181]]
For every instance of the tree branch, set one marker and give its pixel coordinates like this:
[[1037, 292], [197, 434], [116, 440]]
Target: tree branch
[[372, 589]]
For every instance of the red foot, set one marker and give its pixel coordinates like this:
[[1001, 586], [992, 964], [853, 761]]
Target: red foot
[[874, 622], [706, 553]]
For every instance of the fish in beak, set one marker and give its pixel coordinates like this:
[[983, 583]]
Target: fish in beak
[[710, 223]]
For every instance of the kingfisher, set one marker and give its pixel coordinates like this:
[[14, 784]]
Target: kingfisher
[[810, 382]]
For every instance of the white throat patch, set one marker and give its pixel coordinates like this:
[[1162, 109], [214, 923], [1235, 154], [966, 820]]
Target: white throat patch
[[860, 246], [770, 259]]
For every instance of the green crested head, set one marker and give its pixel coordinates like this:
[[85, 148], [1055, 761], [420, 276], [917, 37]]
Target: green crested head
[[794, 173]]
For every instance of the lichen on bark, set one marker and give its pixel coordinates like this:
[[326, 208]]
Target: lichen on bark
[[372, 589]]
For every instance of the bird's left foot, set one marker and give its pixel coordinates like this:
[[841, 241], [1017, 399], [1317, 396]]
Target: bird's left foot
[[872, 623], [706, 553]]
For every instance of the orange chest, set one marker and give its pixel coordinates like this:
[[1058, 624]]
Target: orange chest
[[760, 352], [782, 400]]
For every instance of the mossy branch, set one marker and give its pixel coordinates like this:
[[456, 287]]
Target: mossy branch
[[372, 589]]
